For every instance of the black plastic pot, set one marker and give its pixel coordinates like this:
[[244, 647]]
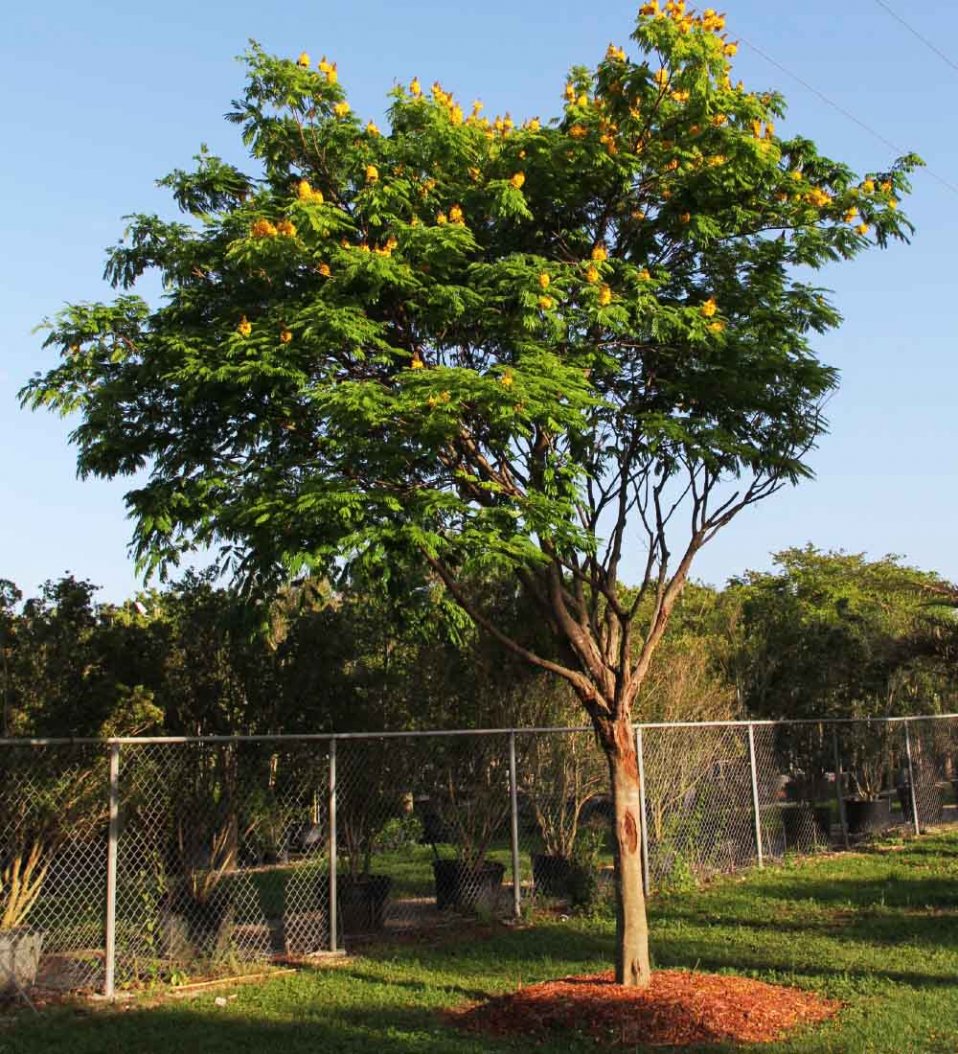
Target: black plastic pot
[[866, 816], [551, 875], [361, 903], [467, 887], [805, 825], [200, 929]]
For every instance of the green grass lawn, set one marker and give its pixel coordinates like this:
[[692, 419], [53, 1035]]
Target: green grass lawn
[[876, 929]]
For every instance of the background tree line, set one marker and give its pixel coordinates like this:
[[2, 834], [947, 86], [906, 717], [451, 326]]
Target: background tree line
[[823, 634]]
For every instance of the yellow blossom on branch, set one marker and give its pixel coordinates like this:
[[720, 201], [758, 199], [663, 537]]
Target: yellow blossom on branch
[[244, 328], [546, 303], [456, 216], [324, 270], [506, 379], [862, 229], [518, 180], [544, 280], [592, 274], [709, 308], [717, 326], [578, 131], [303, 59], [306, 193], [417, 363], [341, 109], [415, 88], [371, 128], [263, 229], [372, 174], [286, 228], [442, 219], [285, 336], [605, 296], [600, 254]]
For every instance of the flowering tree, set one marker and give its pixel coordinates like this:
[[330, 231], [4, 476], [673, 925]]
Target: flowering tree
[[529, 348]]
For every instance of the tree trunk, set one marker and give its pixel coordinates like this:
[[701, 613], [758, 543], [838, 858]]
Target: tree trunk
[[632, 965]]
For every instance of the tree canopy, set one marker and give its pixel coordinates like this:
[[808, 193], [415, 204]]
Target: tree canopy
[[472, 340]]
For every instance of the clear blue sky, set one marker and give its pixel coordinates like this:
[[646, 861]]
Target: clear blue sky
[[104, 97]]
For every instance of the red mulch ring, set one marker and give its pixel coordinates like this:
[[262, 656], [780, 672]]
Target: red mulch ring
[[678, 1009]]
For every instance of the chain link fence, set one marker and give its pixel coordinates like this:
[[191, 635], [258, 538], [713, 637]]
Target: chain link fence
[[137, 861]]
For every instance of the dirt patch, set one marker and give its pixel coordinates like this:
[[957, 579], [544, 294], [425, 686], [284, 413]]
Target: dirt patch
[[678, 1009]]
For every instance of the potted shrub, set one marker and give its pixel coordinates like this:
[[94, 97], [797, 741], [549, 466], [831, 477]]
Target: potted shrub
[[867, 809], [369, 796], [45, 800], [25, 864], [560, 774], [471, 799], [199, 915]]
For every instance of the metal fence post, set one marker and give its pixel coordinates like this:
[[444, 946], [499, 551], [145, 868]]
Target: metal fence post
[[514, 832], [643, 820], [913, 787], [331, 906], [109, 980], [755, 803], [842, 817]]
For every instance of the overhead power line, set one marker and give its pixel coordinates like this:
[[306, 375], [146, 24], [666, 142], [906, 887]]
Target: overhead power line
[[845, 113], [920, 36]]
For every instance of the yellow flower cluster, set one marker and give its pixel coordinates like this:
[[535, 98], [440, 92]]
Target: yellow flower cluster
[[717, 326], [417, 363], [438, 400], [306, 193], [818, 197], [546, 303], [303, 59], [341, 109], [285, 336], [578, 131], [323, 269], [544, 281], [605, 296], [442, 219], [371, 129], [615, 54], [287, 228], [387, 249], [518, 180], [244, 328], [372, 174], [329, 69], [533, 124], [592, 274], [709, 308], [415, 88], [263, 229], [506, 379], [862, 229], [456, 216], [600, 254]]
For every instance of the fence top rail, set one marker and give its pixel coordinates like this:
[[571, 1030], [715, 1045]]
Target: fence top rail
[[327, 737]]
